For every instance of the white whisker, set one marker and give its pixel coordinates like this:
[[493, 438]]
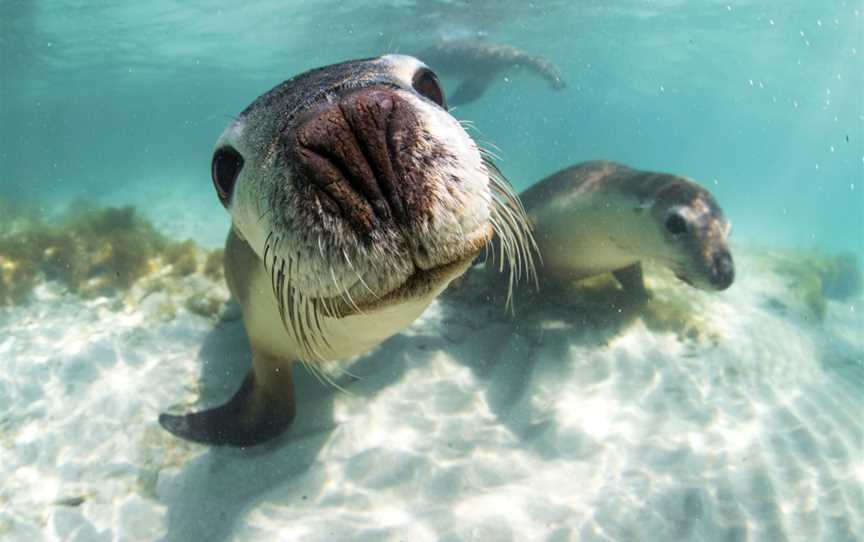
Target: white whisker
[[516, 244]]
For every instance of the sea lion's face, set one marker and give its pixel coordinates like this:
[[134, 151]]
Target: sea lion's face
[[354, 185], [694, 231]]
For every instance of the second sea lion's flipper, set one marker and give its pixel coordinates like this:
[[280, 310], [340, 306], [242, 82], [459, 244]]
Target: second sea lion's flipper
[[631, 280], [258, 412], [469, 90]]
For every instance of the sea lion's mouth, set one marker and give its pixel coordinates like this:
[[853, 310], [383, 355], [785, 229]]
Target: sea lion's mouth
[[718, 276], [424, 281], [722, 270], [683, 278], [421, 283]]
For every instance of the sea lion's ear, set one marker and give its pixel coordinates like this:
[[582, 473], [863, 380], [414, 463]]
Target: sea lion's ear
[[469, 90], [258, 412]]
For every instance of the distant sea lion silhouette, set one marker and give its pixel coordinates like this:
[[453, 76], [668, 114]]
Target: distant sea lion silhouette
[[479, 63], [355, 198], [600, 216]]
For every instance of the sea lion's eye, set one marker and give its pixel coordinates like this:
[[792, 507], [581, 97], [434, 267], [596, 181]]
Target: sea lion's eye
[[676, 224], [225, 168], [426, 83]]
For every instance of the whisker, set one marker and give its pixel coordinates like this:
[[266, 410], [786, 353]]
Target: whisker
[[359, 277], [345, 294], [516, 244], [325, 373]]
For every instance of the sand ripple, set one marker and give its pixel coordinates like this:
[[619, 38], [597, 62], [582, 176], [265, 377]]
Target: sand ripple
[[466, 427]]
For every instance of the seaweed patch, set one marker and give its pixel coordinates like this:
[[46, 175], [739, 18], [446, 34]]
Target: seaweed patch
[[94, 252]]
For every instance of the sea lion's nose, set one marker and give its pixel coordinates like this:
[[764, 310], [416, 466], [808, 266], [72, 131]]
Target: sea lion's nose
[[723, 273], [349, 150]]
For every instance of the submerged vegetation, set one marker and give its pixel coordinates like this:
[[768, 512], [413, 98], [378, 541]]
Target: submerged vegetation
[[92, 252], [814, 278]]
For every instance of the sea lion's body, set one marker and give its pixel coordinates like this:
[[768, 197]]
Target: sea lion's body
[[355, 199], [479, 63], [599, 217]]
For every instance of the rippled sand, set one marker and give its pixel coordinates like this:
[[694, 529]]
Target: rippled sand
[[465, 427]]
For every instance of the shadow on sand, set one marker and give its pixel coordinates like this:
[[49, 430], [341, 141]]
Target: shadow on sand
[[211, 493]]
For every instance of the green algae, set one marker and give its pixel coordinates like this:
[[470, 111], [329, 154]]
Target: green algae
[[813, 278], [182, 257], [676, 315], [214, 264], [91, 252]]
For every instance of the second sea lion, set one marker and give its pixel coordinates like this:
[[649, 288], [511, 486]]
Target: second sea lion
[[479, 63], [602, 216]]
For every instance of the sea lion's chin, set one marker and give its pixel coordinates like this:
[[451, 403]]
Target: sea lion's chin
[[425, 281], [429, 280]]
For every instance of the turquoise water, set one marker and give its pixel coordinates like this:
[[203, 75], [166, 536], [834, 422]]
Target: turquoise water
[[761, 100], [458, 429]]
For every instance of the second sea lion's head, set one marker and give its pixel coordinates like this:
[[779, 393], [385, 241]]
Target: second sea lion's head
[[695, 233]]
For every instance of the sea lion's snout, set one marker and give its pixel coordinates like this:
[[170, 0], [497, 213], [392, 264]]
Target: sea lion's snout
[[349, 150], [723, 271], [352, 182]]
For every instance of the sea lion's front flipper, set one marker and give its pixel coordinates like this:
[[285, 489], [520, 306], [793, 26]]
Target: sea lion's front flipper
[[261, 410], [469, 90], [632, 281]]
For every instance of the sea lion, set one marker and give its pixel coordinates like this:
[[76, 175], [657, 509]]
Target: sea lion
[[600, 216], [355, 198], [478, 63]]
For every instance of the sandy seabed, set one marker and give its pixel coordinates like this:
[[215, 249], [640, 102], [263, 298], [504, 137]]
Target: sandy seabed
[[467, 426]]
